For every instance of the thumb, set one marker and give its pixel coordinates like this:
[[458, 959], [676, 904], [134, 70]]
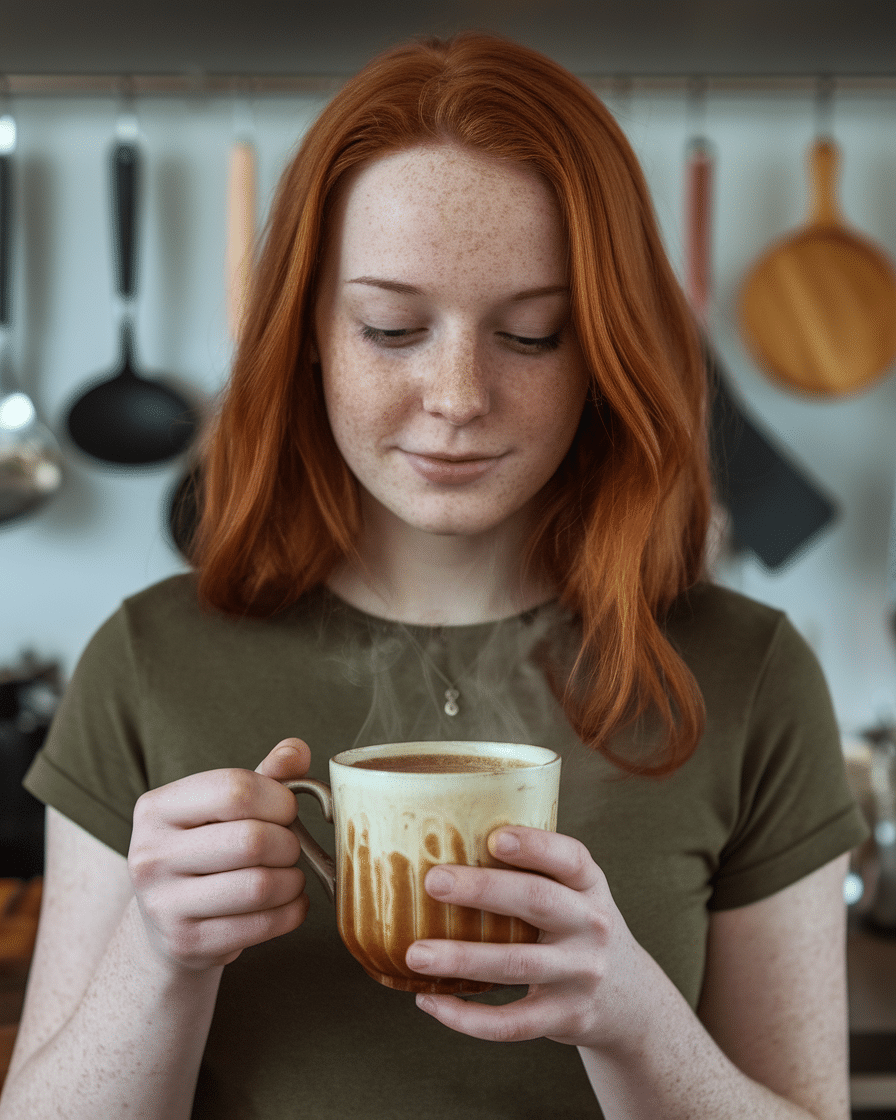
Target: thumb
[[289, 759]]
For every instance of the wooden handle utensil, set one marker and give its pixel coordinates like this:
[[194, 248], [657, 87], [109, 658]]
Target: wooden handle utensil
[[818, 309], [240, 232]]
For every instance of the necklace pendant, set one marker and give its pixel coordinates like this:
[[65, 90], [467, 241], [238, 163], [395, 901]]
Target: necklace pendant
[[451, 698]]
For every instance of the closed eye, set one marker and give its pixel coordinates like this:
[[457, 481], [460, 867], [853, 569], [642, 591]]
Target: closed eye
[[385, 337], [522, 344], [533, 345]]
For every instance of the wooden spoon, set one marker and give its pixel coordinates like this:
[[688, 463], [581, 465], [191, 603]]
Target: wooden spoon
[[818, 309], [186, 497], [241, 206]]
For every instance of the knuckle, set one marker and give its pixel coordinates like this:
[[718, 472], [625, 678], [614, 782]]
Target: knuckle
[[258, 886], [542, 897], [517, 965], [252, 841], [576, 1023], [143, 866], [144, 807], [598, 928], [151, 912], [580, 858], [504, 1030], [599, 925], [239, 790]]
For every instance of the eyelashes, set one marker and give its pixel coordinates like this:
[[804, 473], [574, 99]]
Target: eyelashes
[[534, 345], [396, 338], [383, 337]]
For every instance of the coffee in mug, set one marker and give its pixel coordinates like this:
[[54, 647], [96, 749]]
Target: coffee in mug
[[400, 809]]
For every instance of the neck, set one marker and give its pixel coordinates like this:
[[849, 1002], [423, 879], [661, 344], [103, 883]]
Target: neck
[[416, 577]]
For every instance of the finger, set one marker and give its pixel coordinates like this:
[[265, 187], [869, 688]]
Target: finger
[[562, 857], [289, 759], [510, 964], [520, 1021], [223, 939], [249, 890], [547, 905], [215, 795], [230, 845]]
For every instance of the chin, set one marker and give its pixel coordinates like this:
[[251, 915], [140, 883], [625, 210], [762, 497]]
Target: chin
[[454, 523]]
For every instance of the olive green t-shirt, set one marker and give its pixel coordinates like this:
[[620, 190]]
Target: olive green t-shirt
[[166, 689]]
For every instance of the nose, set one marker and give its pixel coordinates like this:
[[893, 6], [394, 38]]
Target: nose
[[456, 386]]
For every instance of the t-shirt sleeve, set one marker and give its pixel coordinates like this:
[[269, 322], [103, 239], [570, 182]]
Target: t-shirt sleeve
[[796, 810], [90, 767]]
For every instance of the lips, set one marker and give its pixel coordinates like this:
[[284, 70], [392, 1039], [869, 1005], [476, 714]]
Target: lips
[[451, 468]]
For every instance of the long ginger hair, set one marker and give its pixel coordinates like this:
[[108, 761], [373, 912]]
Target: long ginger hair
[[623, 522]]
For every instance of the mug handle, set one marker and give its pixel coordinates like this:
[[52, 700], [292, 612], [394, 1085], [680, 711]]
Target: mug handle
[[322, 863]]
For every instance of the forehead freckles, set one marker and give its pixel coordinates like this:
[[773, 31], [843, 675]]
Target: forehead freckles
[[446, 210]]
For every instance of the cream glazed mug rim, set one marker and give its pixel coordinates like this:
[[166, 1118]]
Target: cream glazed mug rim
[[320, 860], [532, 755]]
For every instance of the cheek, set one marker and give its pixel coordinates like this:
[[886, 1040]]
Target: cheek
[[361, 402], [554, 415], [342, 398]]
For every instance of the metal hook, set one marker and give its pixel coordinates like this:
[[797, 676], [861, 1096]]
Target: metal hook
[[696, 107], [825, 88], [127, 127], [242, 108], [621, 88]]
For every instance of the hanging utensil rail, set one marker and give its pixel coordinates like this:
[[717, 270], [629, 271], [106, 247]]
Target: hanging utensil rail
[[202, 85]]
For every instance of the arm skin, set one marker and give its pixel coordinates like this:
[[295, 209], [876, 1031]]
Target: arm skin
[[770, 1038], [129, 953]]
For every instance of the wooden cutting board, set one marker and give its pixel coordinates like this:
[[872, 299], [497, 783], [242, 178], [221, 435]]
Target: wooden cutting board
[[818, 309]]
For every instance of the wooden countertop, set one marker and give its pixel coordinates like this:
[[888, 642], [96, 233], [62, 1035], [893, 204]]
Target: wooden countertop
[[19, 910]]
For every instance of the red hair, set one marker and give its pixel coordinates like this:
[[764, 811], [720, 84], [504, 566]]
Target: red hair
[[624, 520]]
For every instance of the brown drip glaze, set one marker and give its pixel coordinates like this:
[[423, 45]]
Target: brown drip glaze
[[383, 908]]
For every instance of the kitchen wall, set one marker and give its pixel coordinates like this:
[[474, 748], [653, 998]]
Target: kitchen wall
[[64, 569]]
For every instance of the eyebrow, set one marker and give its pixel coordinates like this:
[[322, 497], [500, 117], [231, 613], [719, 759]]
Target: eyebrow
[[410, 290]]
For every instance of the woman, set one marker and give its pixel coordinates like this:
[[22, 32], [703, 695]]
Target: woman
[[457, 488]]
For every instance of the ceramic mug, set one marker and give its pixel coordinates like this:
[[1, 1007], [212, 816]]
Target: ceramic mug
[[401, 808]]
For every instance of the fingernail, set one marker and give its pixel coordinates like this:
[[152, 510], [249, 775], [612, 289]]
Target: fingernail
[[425, 1003], [506, 844], [439, 881], [418, 956]]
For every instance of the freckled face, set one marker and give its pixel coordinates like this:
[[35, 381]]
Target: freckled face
[[452, 376]]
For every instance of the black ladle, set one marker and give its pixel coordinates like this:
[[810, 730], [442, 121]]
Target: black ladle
[[129, 419]]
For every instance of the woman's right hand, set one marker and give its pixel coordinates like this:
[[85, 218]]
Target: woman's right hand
[[212, 860]]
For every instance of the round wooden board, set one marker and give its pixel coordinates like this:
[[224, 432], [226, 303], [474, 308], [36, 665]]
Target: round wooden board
[[819, 312], [818, 309]]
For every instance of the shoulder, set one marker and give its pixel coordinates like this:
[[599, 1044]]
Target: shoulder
[[716, 629], [746, 656], [169, 600], [708, 609], [165, 632], [172, 609]]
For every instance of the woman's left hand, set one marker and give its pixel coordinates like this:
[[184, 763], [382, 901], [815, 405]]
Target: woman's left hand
[[588, 978]]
